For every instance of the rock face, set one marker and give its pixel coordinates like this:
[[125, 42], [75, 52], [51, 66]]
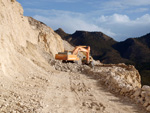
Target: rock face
[[47, 39], [142, 96], [23, 38], [25, 47]]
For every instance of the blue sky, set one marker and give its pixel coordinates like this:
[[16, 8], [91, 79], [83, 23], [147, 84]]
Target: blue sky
[[119, 19]]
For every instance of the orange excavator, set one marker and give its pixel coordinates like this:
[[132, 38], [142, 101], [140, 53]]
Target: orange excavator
[[73, 55]]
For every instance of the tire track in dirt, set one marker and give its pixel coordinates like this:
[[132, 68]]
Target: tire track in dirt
[[88, 102]]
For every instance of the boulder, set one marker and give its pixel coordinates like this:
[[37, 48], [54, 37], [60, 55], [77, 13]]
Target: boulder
[[145, 104], [143, 94], [148, 108], [146, 88]]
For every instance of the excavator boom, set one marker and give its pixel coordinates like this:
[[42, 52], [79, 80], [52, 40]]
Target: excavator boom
[[73, 55]]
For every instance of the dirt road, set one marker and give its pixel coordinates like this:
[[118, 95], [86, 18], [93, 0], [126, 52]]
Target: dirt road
[[77, 93], [62, 92]]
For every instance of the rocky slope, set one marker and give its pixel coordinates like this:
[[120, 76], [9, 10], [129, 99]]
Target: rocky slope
[[33, 82], [21, 41], [22, 48]]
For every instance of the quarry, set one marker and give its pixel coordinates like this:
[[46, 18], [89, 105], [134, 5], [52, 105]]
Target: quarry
[[32, 81]]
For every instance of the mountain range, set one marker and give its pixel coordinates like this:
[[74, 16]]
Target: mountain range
[[133, 51]]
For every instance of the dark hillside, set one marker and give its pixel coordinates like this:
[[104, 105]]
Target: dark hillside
[[145, 40], [101, 45], [61, 33], [134, 50]]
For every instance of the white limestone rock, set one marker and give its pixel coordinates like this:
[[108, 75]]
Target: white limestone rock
[[143, 94], [146, 88], [137, 93]]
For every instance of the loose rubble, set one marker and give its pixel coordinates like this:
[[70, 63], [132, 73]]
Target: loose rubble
[[142, 96], [119, 78]]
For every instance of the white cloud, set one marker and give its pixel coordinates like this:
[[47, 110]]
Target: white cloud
[[117, 26], [69, 21], [115, 18], [71, 24], [124, 27], [122, 6], [145, 19]]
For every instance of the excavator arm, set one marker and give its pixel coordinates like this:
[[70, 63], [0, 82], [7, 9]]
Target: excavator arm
[[84, 49], [73, 55]]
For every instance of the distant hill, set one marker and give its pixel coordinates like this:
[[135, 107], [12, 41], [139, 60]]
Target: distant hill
[[61, 33], [135, 51], [145, 40]]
